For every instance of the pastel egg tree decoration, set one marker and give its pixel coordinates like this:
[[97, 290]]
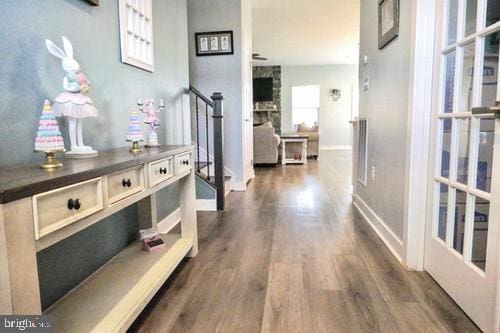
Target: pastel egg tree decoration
[[151, 112], [134, 131], [48, 138], [74, 102]]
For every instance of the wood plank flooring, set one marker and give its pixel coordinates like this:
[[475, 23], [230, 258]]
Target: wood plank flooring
[[292, 255]]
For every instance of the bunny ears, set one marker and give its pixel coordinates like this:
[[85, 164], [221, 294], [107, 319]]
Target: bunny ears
[[56, 51]]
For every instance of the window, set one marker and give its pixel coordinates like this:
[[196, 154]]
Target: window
[[305, 105], [136, 33], [362, 150]]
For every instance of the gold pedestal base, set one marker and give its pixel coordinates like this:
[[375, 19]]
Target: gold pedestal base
[[51, 162], [135, 147]]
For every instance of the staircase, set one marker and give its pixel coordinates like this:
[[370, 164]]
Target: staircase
[[208, 137]]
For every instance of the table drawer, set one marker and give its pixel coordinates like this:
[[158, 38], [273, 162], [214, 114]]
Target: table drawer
[[160, 171], [56, 209], [182, 163], [124, 183]]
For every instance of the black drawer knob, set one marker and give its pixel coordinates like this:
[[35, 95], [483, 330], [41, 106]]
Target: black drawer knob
[[185, 162], [126, 182], [163, 171], [74, 204]]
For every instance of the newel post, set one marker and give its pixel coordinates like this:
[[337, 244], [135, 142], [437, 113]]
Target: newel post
[[218, 119]]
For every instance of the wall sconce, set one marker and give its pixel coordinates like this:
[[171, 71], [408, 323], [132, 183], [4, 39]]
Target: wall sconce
[[335, 94]]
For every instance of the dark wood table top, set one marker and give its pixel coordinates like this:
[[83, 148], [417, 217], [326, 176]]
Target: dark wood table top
[[26, 180]]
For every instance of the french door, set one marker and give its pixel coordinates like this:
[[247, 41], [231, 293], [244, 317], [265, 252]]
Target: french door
[[464, 205]]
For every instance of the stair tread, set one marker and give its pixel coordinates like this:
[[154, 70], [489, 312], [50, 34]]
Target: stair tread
[[205, 178], [202, 164]]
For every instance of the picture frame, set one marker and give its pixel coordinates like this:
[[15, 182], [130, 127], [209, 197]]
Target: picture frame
[[136, 33], [214, 43], [388, 22]]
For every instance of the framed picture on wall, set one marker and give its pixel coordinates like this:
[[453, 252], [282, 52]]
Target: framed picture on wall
[[136, 33], [214, 43], [388, 22]]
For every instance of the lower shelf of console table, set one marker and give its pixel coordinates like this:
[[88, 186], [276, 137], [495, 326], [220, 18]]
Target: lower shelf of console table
[[111, 298], [35, 214]]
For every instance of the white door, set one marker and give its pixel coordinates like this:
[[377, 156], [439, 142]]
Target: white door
[[248, 117], [464, 205], [248, 135]]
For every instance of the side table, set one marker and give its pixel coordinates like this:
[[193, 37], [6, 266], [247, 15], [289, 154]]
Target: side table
[[300, 139]]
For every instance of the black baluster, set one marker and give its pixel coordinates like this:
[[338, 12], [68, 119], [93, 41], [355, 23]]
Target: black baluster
[[218, 128], [197, 135], [208, 143]]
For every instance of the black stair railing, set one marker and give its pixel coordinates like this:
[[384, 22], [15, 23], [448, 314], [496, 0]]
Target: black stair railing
[[205, 107]]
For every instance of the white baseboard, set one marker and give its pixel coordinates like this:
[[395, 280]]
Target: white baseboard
[[392, 242], [238, 186], [165, 225], [335, 147], [206, 204]]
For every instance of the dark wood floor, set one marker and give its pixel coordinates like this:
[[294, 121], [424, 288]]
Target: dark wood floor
[[291, 255]]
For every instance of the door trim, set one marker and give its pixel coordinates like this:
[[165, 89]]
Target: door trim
[[420, 94]]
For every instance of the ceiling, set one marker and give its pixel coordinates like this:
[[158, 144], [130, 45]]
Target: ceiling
[[306, 32]]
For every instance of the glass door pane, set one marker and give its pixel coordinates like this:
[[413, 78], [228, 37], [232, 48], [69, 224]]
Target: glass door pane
[[459, 221], [445, 148], [470, 17], [490, 70], [452, 21], [449, 82], [485, 154], [480, 232], [492, 12], [467, 78], [463, 151], [443, 211]]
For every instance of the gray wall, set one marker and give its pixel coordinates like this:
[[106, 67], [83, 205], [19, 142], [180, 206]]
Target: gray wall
[[385, 105], [334, 127], [220, 73], [29, 75]]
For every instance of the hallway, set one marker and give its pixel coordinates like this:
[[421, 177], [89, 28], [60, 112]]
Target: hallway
[[292, 255]]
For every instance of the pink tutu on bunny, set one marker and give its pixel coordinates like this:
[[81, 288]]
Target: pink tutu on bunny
[[76, 105]]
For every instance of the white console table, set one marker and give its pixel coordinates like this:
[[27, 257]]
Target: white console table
[[39, 208]]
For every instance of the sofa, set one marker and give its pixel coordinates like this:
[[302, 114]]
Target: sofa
[[265, 144], [312, 132]]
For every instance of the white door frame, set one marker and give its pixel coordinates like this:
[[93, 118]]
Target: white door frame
[[420, 96]]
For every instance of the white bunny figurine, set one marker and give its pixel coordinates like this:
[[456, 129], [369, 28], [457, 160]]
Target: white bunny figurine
[[74, 102]]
